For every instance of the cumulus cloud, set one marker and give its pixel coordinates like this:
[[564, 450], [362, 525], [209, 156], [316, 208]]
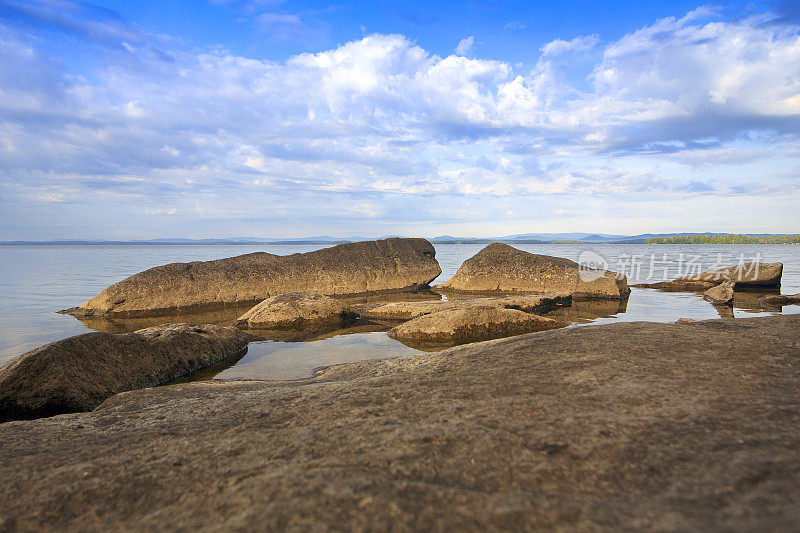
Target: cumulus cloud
[[361, 129]]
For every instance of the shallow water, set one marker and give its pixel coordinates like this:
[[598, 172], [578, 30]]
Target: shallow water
[[36, 281]]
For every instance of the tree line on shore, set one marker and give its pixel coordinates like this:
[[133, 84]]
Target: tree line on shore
[[726, 239]]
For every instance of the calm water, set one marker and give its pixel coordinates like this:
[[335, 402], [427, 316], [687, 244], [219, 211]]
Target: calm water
[[36, 281]]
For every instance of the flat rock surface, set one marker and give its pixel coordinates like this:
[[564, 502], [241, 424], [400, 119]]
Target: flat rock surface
[[630, 426], [752, 275], [459, 326], [500, 267], [352, 268], [408, 310], [78, 373], [781, 299], [293, 310]]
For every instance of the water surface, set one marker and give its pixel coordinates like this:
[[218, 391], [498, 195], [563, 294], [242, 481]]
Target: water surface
[[37, 281]]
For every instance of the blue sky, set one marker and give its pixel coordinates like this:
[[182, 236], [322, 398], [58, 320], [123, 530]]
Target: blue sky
[[270, 118]]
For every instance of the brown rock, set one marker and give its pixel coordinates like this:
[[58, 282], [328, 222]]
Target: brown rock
[[631, 426], [524, 302], [359, 267], [781, 299], [722, 294], [78, 373], [685, 321], [459, 326], [499, 267], [746, 275], [294, 310]]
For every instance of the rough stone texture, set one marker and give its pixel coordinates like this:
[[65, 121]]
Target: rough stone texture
[[758, 275], [294, 310], [633, 426], [472, 324], [78, 373], [781, 299], [389, 264], [722, 294], [500, 267], [524, 302]]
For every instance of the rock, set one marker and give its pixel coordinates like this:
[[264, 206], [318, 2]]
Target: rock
[[459, 326], [545, 432], [78, 373], [722, 294], [294, 310], [353, 268], [759, 275], [499, 267], [781, 299], [524, 302], [685, 321]]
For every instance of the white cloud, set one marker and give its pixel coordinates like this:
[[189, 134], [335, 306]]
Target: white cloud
[[465, 45], [380, 120]]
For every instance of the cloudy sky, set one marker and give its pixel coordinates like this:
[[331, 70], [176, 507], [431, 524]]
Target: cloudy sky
[[270, 118]]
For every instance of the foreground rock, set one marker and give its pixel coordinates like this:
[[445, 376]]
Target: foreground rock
[[747, 275], [78, 373], [294, 310], [781, 299], [499, 267], [722, 294], [633, 426], [359, 267], [530, 303], [459, 326]]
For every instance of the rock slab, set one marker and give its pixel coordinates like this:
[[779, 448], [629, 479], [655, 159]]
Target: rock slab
[[352, 268], [781, 299], [624, 427], [473, 324], [750, 275], [500, 267], [79, 373], [294, 310]]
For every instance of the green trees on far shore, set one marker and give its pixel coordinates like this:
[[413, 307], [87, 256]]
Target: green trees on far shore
[[726, 239]]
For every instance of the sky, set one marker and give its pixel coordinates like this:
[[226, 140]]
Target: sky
[[270, 118]]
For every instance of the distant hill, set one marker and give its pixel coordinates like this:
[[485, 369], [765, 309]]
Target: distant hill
[[524, 238]]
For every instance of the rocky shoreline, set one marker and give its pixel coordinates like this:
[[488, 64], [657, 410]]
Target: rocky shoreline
[[625, 426]]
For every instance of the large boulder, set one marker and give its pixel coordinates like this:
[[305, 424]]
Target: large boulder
[[79, 373], [459, 326], [746, 275], [529, 303], [352, 268], [500, 267], [722, 294], [294, 310]]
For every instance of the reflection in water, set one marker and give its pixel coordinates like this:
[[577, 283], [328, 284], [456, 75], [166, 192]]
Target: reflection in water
[[586, 311]]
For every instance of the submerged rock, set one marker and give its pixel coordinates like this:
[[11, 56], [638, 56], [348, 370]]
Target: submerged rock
[[760, 275], [353, 268], [78, 373], [459, 326], [294, 310], [500, 267], [722, 294], [781, 299], [523, 302]]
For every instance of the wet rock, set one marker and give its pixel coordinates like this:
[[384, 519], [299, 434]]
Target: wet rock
[[753, 275], [722, 294], [353, 268], [78, 373], [529, 303], [295, 310], [458, 326], [698, 421], [781, 299], [499, 267]]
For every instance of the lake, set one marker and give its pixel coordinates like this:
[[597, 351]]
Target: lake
[[37, 281]]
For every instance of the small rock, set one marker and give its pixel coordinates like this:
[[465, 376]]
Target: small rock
[[722, 294]]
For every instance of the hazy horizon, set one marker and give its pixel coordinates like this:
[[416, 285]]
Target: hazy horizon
[[124, 120]]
